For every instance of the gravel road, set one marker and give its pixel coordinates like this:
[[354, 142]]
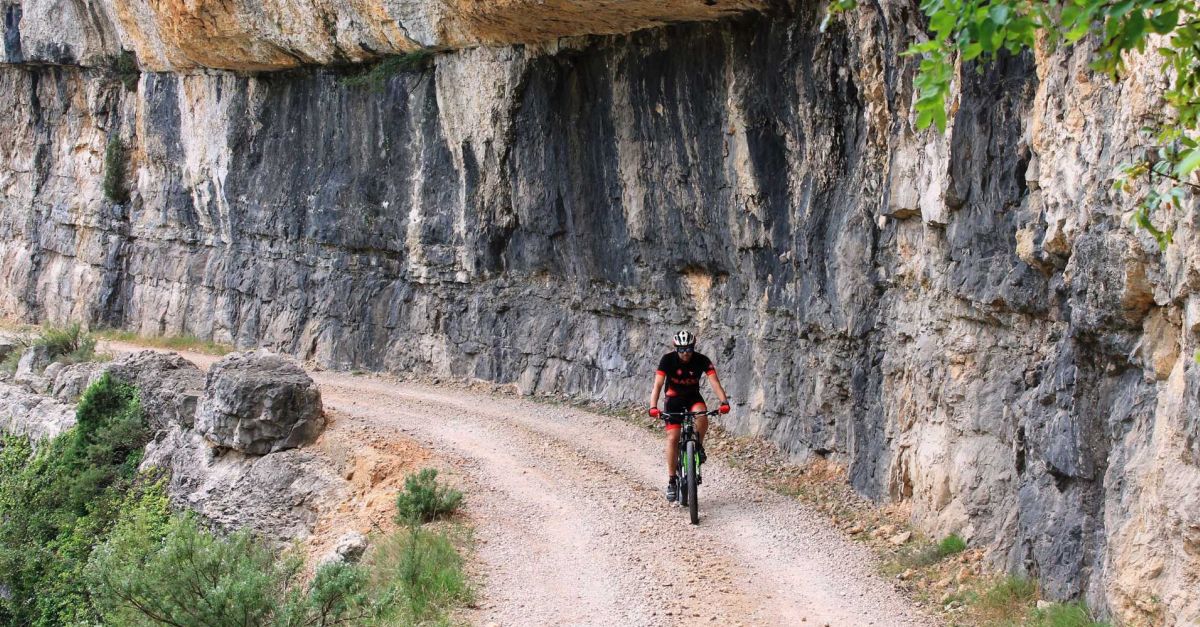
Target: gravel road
[[573, 528]]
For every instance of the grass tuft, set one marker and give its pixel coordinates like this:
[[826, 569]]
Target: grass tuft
[[186, 342], [421, 572], [951, 544], [68, 345]]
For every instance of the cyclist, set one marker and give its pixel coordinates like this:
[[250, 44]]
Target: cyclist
[[680, 370]]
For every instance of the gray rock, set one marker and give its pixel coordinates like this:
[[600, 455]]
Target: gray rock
[[170, 386], [349, 548], [7, 346], [70, 382], [30, 368], [280, 495], [259, 403], [33, 415]]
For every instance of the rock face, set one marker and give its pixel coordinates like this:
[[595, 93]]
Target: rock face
[[280, 34], [259, 403], [32, 415], [964, 320]]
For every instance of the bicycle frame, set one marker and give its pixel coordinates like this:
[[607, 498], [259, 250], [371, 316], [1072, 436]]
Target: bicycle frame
[[687, 434]]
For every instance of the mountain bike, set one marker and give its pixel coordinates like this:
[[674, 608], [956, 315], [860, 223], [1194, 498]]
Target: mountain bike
[[687, 466]]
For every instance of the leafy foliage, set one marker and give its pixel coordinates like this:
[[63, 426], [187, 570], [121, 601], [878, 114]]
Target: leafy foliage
[[114, 171], [55, 502], [377, 74], [85, 539], [124, 67], [1161, 177], [189, 576], [424, 499]]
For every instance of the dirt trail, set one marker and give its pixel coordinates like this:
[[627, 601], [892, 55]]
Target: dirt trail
[[572, 527]]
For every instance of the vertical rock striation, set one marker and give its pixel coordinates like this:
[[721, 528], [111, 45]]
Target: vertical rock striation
[[966, 321]]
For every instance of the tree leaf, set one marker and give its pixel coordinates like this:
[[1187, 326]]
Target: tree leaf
[[1188, 163]]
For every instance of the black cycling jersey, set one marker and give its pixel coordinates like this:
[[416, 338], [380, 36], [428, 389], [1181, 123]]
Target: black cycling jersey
[[683, 379]]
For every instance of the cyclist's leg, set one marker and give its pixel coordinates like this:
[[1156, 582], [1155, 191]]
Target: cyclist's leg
[[673, 405], [672, 448], [701, 421]]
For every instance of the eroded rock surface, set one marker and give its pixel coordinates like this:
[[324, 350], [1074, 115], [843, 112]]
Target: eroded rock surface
[[259, 403], [964, 320], [280, 495], [170, 386]]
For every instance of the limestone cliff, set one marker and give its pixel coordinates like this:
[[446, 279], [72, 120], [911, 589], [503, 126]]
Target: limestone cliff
[[966, 321]]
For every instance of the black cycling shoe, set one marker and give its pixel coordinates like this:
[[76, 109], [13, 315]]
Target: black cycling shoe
[[673, 490], [703, 457]]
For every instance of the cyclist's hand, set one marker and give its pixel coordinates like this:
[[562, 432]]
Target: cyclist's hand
[[654, 413], [724, 408]]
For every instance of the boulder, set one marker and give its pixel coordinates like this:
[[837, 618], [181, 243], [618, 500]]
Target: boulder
[[349, 549], [7, 346], [31, 366], [171, 386], [259, 403], [68, 382], [33, 415]]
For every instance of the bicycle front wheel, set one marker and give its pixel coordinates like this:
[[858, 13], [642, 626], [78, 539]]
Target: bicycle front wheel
[[692, 487], [681, 472]]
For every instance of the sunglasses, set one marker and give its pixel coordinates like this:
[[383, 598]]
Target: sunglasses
[[684, 349]]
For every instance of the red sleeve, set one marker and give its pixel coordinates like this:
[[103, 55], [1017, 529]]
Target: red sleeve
[[711, 369]]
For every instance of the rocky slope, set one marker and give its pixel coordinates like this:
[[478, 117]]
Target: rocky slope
[[966, 321]]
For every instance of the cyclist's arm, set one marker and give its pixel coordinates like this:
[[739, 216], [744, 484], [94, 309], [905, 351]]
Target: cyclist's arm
[[716, 384], [659, 379]]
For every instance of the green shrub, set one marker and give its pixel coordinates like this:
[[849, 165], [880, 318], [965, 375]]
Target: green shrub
[[424, 499], [951, 544], [56, 502], [418, 574], [69, 345], [377, 74], [114, 171], [190, 576], [124, 67]]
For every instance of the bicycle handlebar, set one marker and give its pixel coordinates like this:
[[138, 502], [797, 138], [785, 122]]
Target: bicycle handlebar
[[684, 414]]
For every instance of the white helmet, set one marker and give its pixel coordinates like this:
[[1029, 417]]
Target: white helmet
[[683, 338]]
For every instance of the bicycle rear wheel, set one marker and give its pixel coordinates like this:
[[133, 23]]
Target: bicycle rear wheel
[[693, 499]]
